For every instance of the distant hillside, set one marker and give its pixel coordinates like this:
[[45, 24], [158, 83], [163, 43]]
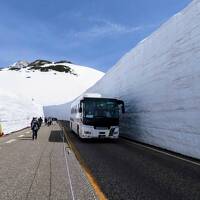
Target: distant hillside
[[43, 66]]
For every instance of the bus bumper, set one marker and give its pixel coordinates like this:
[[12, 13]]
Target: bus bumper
[[100, 132]]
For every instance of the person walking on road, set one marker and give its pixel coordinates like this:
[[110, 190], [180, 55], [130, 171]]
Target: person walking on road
[[34, 127], [45, 120], [49, 121], [40, 121]]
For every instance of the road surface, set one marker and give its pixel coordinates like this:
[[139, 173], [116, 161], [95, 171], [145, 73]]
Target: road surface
[[125, 170]]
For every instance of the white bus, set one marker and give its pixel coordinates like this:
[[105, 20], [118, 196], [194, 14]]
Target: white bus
[[95, 117]]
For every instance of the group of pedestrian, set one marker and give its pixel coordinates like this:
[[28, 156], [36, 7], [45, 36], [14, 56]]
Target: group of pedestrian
[[48, 121], [35, 126]]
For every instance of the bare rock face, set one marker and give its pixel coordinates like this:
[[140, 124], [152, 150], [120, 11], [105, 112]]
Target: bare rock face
[[38, 63], [43, 66], [63, 61]]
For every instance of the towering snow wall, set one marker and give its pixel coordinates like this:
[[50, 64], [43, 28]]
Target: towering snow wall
[[159, 80], [61, 112], [16, 111]]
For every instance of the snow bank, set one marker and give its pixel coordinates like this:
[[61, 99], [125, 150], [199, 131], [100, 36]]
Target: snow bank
[[159, 82], [16, 111]]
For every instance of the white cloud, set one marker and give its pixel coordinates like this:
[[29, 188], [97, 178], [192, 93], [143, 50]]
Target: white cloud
[[104, 28]]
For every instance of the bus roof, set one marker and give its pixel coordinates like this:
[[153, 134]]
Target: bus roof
[[99, 98]]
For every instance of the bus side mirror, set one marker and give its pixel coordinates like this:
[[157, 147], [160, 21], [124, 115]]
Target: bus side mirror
[[123, 108], [122, 104], [80, 110]]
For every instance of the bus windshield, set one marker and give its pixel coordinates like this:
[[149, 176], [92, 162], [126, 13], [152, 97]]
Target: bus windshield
[[101, 109]]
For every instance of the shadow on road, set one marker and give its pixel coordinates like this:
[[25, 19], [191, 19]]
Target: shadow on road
[[97, 140], [56, 136]]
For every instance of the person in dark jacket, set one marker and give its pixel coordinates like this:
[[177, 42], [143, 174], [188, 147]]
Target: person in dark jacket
[[34, 127], [34, 118], [49, 121], [40, 121], [45, 120]]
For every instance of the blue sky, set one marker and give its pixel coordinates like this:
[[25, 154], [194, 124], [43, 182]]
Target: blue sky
[[94, 33]]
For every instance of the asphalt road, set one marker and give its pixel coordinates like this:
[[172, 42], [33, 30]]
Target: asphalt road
[[127, 171], [41, 169]]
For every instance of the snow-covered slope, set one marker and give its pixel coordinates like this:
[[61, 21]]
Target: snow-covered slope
[[43, 82], [16, 111], [159, 80], [52, 87]]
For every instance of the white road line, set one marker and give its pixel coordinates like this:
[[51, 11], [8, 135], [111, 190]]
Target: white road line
[[21, 136], [67, 164], [27, 132], [162, 152], [10, 141]]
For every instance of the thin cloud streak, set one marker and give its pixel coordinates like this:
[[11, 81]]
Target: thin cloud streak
[[106, 29]]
